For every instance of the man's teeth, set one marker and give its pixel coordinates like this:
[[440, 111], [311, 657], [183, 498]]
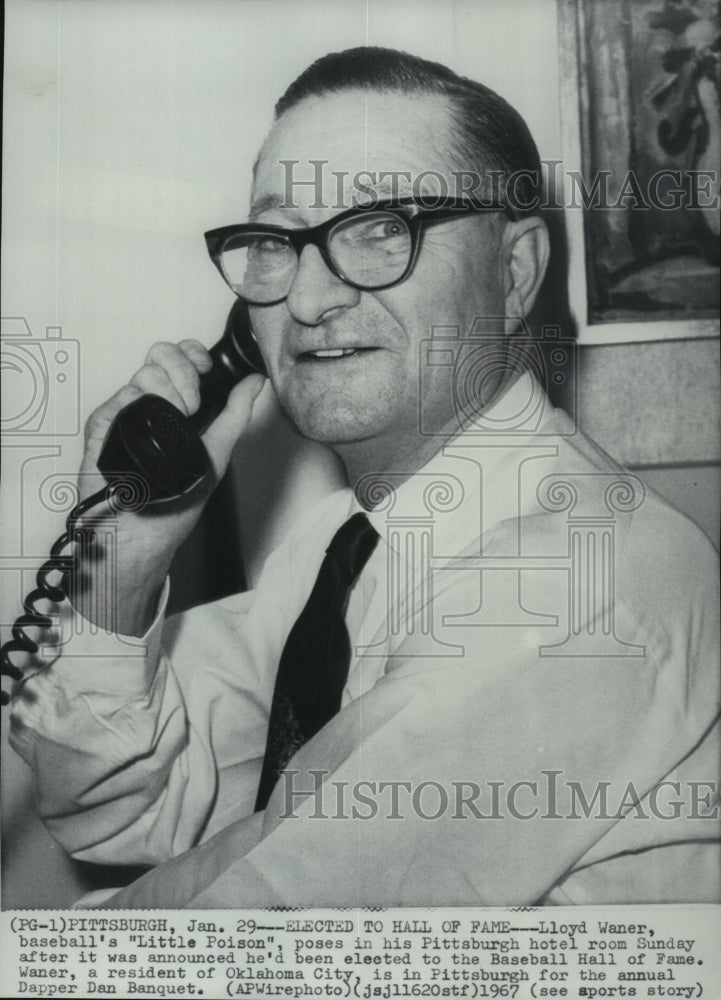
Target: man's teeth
[[337, 352]]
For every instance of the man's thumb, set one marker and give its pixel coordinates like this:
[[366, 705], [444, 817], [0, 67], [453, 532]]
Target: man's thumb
[[223, 433]]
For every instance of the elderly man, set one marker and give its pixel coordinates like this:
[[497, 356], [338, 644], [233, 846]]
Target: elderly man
[[500, 686]]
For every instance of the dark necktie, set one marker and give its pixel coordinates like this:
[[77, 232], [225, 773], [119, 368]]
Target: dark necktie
[[314, 664]]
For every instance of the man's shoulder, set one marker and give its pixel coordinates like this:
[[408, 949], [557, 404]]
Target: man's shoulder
[[586, 526], [658, 566], [644, 521]]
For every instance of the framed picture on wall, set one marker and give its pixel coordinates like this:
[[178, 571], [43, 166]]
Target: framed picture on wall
[[641, 114]]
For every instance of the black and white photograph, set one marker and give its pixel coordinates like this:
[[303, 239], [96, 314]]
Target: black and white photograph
[[361, 460]]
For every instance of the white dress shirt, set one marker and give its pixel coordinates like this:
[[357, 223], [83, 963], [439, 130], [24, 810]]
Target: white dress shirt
[[533, 625]]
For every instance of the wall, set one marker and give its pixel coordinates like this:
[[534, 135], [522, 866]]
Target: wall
[[654, 407]]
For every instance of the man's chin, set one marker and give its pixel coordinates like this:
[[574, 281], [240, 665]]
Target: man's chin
[[339, 425], [337, 436]]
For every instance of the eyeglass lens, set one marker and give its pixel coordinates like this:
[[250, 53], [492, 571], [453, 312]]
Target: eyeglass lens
[[371, 250]]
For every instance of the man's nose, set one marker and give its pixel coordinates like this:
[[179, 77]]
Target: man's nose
[[316, 291]]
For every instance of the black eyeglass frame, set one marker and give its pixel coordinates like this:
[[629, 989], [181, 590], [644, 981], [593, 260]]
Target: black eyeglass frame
[[415, 212]]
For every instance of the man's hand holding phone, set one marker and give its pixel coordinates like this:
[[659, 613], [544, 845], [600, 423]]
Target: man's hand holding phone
[[147, 540]]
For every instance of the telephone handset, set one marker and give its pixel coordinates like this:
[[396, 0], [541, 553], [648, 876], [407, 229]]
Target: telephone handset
[[153, 443], [150, 438]]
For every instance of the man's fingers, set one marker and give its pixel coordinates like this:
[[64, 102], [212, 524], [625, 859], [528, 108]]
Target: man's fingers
[[97, 424], [223, 433], [197, 354], [153, 379], [173, 370]]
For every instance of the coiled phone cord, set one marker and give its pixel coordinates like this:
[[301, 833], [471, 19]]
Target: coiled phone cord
[[153, 453], [44, 590]]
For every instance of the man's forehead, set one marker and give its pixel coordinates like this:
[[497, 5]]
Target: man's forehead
[[350, 141]]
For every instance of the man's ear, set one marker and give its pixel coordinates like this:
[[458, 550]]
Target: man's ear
[[526, 250]]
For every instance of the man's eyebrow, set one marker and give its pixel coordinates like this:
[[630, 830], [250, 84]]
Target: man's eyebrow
[[265, 204], [400, 187]]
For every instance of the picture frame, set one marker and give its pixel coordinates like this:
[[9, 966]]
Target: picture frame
[[640, 182]]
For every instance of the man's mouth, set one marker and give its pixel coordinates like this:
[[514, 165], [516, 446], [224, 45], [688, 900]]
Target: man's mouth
[[334, 353]]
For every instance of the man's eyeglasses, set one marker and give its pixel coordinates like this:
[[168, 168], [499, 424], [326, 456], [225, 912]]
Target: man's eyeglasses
[[368, 248]]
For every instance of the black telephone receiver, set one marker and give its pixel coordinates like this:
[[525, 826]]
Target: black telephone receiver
[[151, 439]]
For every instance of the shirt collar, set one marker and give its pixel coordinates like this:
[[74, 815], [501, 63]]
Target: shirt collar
[[445, 492], [511, 418]]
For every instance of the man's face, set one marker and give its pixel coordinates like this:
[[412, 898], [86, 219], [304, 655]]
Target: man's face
[[372, 394]]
